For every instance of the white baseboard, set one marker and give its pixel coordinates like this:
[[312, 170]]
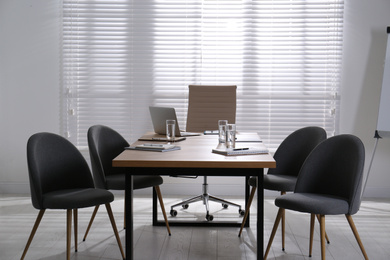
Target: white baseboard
[[14, 188], [191, 189], [185, 189], [377, 192]]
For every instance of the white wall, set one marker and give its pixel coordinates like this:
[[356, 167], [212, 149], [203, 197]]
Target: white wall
[[364, 52], [30, 80]]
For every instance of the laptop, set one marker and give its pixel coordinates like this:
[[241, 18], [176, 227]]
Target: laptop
[[160, 114]]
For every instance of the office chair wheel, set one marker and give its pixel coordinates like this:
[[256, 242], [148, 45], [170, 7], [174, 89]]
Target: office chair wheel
[[242, 212], [185, 206], [209, 217], [225, 206], [173, 213]]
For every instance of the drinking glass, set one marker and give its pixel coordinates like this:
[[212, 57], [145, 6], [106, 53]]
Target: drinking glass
[[222, 130], [230, 136], [170, 124]]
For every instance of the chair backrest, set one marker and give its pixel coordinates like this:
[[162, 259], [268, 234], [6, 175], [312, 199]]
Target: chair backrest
[[335, 168], [295, 148], [104, 145], [54, 164], [208, 104]]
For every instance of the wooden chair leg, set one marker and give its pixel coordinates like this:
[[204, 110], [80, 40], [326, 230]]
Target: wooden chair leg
[[326, 235], [75, 223], [112, 220], [355, 232], [312, 221], [276, 224], [32, 234], [322, 235], [91, 221], [68, 232], [252, 195], [283, 223], [159, 195]]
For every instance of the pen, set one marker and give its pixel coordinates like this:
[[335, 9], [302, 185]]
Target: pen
[[240, 149], [157, 145]]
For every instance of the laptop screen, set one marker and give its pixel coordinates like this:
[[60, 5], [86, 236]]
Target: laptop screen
[[159, 116]]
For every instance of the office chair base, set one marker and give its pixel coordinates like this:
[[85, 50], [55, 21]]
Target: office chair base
[[205, 197]]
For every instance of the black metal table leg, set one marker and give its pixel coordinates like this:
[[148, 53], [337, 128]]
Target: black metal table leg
[[129, 217], [260, 216]]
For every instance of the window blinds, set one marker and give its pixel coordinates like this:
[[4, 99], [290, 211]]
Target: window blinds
[[121, 56]]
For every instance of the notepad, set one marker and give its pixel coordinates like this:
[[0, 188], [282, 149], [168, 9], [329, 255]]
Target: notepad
[[155, 147], [241, 151], [160, 139]]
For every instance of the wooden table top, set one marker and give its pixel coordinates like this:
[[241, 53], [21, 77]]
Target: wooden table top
[[196, 152]]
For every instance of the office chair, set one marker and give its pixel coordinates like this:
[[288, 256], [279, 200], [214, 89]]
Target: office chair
[[207, 105], [289, 158], [104, 145], [329, 183], [60, 179]]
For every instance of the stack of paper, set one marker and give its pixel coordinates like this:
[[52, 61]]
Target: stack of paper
[[155, 147]]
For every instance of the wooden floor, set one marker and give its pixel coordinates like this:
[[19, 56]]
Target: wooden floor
[[17, 217]]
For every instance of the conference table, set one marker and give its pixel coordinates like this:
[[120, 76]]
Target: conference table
[[195, 155]]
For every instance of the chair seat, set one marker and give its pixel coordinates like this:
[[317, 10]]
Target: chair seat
[[313, 203], [76, 198], [117, 181], [279, 182]]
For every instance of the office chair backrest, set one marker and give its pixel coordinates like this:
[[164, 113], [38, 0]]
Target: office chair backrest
[[54, 164], [104, 145], [335, 167], [295, 148], [208, 104]]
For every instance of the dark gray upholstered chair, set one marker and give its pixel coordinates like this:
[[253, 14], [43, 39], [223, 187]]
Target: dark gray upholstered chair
[[104, 145], [60, 179], [289, 157], [329, 183]]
